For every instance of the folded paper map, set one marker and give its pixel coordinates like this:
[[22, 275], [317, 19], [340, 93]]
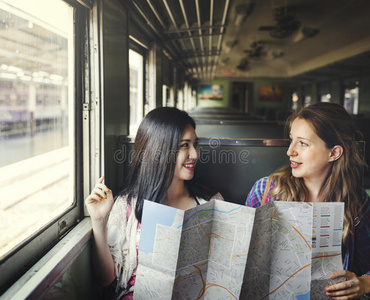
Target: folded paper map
[[222, 250]]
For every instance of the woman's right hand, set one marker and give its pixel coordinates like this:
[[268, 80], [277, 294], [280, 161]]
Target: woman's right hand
[[99, 203]]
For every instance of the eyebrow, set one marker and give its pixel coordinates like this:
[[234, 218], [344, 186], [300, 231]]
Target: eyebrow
[[197, 140], [302, 138]]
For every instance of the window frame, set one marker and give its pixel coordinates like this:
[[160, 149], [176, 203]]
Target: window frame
[[138, 47], [16, 262]]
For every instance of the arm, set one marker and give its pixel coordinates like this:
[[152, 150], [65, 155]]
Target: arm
[[360, 261], [99, 204]]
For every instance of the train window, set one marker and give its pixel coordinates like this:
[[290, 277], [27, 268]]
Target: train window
[[136, 61], [165, 95], [351, 94], [191, 102], [37, 124], [351, 100], [295, 101], [180, 99], [307, 100], [324, 91], [325, 98]]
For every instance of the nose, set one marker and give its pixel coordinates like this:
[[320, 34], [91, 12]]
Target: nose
[[194, 153], [291, 150]]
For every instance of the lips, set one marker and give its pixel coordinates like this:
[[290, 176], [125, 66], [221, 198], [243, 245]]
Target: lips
[[189, 166], [294, 164]]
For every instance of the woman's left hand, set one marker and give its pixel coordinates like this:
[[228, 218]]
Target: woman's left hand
[[352, 288]]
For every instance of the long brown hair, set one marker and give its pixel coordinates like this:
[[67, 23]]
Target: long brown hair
[[334, 126]]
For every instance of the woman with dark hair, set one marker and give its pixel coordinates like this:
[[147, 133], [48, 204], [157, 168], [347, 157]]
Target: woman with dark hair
[[325, 167], [165, 154]]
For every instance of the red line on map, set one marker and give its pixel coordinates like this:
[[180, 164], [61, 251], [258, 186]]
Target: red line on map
[[217, 285], [329, 255], [302, 237]]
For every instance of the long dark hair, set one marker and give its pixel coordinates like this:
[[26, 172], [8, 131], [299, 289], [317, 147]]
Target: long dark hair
[[154, 159], [334, 126]]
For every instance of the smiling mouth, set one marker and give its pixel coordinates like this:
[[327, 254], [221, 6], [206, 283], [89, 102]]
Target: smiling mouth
[[190, 166], [294, 164]]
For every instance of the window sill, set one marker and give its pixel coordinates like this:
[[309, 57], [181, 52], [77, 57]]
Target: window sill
[[34, 283]]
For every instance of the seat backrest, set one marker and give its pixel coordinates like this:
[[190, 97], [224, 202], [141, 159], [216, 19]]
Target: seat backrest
[[232, 166], [241, 129]]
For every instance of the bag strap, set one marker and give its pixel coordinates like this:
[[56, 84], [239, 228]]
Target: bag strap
[[267, 188]]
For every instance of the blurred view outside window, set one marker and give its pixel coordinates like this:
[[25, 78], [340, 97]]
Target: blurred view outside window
[[136, 62], [36, 116]]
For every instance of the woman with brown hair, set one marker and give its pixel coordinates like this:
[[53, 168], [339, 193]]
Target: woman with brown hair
[[325, 167]]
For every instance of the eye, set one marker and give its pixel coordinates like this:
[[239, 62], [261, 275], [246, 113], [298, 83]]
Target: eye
[[303, 144], [184, 145]]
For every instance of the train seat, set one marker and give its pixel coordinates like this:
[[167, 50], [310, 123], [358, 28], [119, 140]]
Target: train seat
[[230, 165], [255, 129]]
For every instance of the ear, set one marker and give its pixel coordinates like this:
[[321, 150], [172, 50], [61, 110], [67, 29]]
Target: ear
[[335, 153]]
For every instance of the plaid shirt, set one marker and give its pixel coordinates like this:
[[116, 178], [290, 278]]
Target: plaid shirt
[[356, 250], [254, 198]]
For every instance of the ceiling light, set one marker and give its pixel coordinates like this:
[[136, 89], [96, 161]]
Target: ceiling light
[[239, 19], [242, 12]]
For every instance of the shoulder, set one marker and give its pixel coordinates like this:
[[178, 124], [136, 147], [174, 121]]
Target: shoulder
[[260, 185], [365, 198], [362, 234], [364, 211], [119, 209], [119, 219], [362, 220], [255, 196], [120, 204]]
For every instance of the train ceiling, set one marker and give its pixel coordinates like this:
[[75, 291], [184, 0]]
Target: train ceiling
[[290, 39]]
